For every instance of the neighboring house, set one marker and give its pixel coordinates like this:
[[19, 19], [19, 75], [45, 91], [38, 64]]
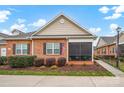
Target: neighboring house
[[61, 37], [106, 46]]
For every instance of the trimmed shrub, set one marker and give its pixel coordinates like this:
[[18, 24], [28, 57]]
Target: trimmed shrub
[[39, 62], [3, 60], [42, 67], [121, 59], [21, 61], [50, 62], [61, 61], [53, 67]]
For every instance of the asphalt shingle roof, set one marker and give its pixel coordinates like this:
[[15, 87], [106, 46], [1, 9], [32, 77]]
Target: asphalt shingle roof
[[108, 40]]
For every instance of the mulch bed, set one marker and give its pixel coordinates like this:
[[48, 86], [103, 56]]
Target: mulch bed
[[95, 67]]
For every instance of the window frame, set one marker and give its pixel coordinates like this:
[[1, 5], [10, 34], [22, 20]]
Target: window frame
[[21, 48], [53, 49]]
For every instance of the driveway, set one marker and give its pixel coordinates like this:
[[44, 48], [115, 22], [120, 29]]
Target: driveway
[[59, 81]]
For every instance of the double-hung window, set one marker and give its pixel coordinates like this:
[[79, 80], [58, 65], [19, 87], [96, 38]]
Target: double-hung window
[[21, 49], [52, 48]]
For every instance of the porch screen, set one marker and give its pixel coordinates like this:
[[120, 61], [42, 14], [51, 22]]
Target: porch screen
[[80, 51]]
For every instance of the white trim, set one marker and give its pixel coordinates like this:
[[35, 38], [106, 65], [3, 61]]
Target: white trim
[[73, 37], [67, 51], [92, 52], [121, 43], [61, 14], [80, 40], [3, 43], [17, 38], [32, 47]]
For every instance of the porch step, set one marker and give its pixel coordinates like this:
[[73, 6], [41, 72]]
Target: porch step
[[80, 63]]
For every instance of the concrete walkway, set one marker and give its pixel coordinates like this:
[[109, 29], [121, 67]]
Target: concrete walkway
[[110, 68], [59, 81]]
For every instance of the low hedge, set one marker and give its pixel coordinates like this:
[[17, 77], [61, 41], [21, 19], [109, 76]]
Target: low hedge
[[21, 61], [3, 60], [121, 59]]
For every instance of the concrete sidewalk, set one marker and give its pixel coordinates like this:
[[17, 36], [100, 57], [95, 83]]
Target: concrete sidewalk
[[59, 81], [110, 68]]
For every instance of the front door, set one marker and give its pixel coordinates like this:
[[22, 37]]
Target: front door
[[3, 51], [80, 51]]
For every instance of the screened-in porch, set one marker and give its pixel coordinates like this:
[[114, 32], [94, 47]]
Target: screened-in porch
[[80, 51]]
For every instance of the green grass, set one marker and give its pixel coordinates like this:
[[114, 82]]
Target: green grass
[[56, 73], [113, 63]]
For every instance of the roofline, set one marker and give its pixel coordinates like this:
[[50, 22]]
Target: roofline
[[98, 42], [36, 37], [61, 14], [17, 38], [105, 45], [2, 43], [4, 35]]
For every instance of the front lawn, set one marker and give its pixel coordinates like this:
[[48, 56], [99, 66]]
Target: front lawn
[[56, 73], [112, 62], [89, 70]]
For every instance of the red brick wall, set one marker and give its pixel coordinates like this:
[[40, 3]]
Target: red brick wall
[[38, 47], [108, 49]]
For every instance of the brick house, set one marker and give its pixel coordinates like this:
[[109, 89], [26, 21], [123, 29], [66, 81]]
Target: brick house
[[60, 37], [106, 46]]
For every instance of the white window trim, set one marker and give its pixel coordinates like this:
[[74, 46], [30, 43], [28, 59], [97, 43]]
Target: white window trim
[[53, 49], [21, 50]]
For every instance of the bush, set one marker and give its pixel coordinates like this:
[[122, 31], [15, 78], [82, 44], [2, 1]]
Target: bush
[[21, 61], [42, 67], [53, 67], [3, 60], [61, 61], [39, 62], [50, 62], [121, 59]]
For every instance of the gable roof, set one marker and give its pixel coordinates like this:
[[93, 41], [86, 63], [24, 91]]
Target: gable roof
[[68, 18], [105, 40], [30, 35], [20, 36], [109, 39], [3, 35]]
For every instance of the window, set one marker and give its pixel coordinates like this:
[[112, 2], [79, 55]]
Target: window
[[21, 49], [113, 50], [53, 48]]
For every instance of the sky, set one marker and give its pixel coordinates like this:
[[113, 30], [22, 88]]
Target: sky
[[100, 20]]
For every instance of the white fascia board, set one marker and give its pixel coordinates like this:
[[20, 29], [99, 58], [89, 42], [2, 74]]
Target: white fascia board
[[2, 43], [16, 38], [121, 43], [81, 40]]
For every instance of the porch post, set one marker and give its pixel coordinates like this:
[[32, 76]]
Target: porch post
[[92, 52], [67, 49], [32, 47]]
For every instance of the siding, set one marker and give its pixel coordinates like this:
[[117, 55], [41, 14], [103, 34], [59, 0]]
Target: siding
[[66, 28]]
